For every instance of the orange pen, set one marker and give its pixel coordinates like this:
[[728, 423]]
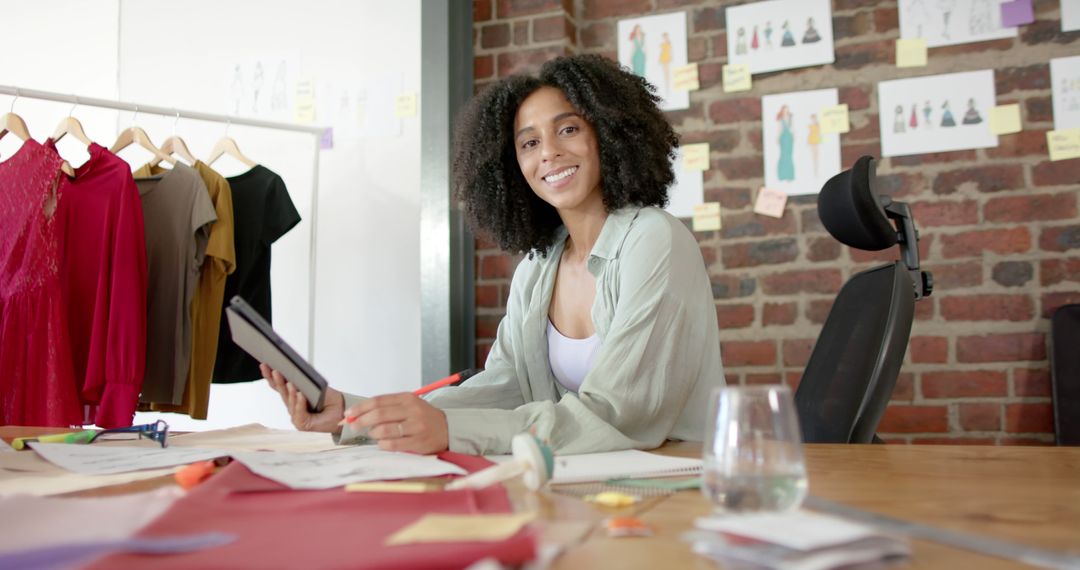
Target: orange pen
[[451, 380]]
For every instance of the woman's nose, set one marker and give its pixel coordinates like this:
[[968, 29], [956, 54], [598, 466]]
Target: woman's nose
[[550, 149]]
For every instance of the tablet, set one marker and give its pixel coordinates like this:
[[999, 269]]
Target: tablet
[[252, 333]]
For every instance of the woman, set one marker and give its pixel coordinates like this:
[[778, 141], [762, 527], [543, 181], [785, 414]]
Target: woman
[[637, 43], [785, 167], [610, 338]]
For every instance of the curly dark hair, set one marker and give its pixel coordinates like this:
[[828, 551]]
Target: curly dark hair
[[635, 144]]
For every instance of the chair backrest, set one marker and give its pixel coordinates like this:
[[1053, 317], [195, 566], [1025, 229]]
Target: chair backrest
[[851, 373], [1065, 373]]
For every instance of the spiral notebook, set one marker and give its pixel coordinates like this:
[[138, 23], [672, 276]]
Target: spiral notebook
[[629, 464]]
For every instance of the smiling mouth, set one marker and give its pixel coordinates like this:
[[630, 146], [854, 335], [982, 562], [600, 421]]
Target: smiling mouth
[[561, 175]]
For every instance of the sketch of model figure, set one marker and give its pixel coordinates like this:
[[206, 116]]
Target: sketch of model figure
[[914, 121], [946, 7], [918, 15], [768, 34], [898, 120], [811, 34], [637, 60], [946, 116], [256, 86], [236, 89], [927, 110], [754, 42], [788, 39], [785, 167], [665, 61], [982, 19], [740, 41], [972, 117], [814, 140], [278, 98]]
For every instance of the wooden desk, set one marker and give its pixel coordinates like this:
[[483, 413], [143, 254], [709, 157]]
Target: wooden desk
[[1028, 495]]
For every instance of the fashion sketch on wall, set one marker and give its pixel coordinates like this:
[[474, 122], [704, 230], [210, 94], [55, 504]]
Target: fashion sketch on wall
[[780, 34], [950, 22], [653, 47], [798, 158], [687, 191], [937, 113], [1065, 81]]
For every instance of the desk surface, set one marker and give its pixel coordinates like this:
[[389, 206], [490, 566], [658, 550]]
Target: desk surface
[[1027, 495]]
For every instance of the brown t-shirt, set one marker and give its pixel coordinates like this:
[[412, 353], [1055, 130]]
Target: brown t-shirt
[[177, 213], [219, 262]]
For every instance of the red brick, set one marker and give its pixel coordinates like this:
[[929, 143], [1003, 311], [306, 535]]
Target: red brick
[[482, 350], [749, 224], [933, 158], [481, 10], [1058, 173], [956, 275], [974, 243], [496, 266], [769, 252], [964, 384], [737, 110], [597, 34], [553, 28], [856, 56], [990, 178], [1031, 207], [729, 198], [929, 349], [739, 168], [850, 153], [727, 286], [719, 140], [792, 379], [597, 9], [953, 440], [886, 20], [924, 309], [710, 74], [1004, 347], [945, 213], [902, 184], [708, 18], [697, 49], [525, 61], [868, 128], [806, 281], [734, 316], [1024, 143], [797, 352], [904, 389], [778, 314], [756, 379], [488, 296], [748, 353], [495, 36], [843, 5], [1029, 418], [483, 66], [484, 242], [818, 310], [823, 249], [1031, 382], [1054, 271], [521, 33], [926, 240], [1012, 273], [518, 8], [1052, 301], [973, 47], [857, 98], [708, 255], [1009, 79], [987, 308], [855, 25], [915, 419], [694, 111], [1038, 110], [980, 417], [1061, 238], [487, 325]]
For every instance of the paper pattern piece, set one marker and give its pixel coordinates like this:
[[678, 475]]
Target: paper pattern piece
[[1005, 119], [770, 203], [256, 437], [1063, 144], [696, 156], [1065, 82], [911, 52], [798, 157], [936, 113], [653, 47], [1070, 15], [405, 105], [25, 473], [356, 464], [631, 463], [834, 119], [707, 217], [687, 191], [686, 78], [105, 460], [780, 34], [461, 528], [951, 22], [737, 77], [1017, 13]]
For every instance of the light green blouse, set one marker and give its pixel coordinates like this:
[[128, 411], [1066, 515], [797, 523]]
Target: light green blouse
[[650, 380]]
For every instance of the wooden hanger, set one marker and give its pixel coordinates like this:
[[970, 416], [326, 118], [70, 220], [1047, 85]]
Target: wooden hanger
[[138, 136], [71, 126], [14, 124], [226, 145], [175, 145]]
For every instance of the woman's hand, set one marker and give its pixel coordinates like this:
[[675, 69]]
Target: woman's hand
[[324, 421], [403, 422]]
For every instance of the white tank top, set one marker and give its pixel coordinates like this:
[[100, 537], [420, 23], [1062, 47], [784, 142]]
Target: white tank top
[[570, 358]]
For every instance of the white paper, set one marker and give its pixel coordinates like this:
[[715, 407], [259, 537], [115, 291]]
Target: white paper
[[1070, 15], [256, 437], [263, 86], [798, 158], [937, 113], [950, 22], [631, 463], [1065, 82], [337, 468], [653, 47], [25, 473], [801, 530], [687, 191], [780, 34], [104, 460]]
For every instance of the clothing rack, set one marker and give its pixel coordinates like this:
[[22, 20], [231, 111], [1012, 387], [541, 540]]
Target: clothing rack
[[317, 132]]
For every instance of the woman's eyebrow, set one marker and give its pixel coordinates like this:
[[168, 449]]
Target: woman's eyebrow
[[557, 118]]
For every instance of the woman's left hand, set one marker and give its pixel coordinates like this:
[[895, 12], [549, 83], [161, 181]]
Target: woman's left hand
[[403, 422]]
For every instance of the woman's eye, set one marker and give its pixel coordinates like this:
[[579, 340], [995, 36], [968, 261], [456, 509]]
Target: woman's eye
[[528, 144], [570, 129]]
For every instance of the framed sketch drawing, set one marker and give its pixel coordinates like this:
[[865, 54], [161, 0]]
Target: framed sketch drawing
[[653, 47], [937, 113], [798, 158], [950, 22], [780, 34]]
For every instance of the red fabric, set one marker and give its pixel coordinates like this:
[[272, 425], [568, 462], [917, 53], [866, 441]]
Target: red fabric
[[278, 528], [104, 275], [37, 386]]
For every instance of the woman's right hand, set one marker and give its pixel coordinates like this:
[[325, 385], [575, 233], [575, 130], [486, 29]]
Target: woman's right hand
[[325, 421]]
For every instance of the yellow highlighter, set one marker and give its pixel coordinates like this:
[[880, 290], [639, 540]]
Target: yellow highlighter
[[83, 436]]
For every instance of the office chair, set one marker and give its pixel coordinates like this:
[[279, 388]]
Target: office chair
[[1065, 373], [853, 368]]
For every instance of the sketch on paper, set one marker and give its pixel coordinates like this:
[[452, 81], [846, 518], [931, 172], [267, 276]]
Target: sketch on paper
[[798, 158], [263, 86], [1065, 82], [652, 47], [950, 22], [780, 34], [936, 113], [687, 191]]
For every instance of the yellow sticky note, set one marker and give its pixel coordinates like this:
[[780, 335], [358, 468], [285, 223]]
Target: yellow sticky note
[[391, 487], [770, 202], [695, 156], [707, 217], [461, 528], [1063, 144], [304, 110], [737, 77], [834, 119], [686, 78], [1005, 119], [911, 52], [405, 105]]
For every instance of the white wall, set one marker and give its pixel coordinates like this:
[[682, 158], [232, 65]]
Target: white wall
[[366, 298]]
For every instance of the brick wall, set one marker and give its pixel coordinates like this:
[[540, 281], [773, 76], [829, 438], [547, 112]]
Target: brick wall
[[1000, 227]]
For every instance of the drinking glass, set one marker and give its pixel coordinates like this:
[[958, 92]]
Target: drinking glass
[[753, 450]]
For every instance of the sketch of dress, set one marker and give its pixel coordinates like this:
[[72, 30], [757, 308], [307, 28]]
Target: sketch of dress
[[785, 167], [981, 20], [971, 117], [918, 15], [789, 39], [256, 86], [811, 34], [236, 89], [898, 120], [946, 7], [665, 61], [637, 60], [278, 98], [768, 34], [914, 121], [740, 41], [754, 41], [946, 116], [927, 110], [814, 139]]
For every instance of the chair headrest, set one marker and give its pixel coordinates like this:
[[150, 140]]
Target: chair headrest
[[851, 211]]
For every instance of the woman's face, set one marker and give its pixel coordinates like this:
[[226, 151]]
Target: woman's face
[[557, 152]]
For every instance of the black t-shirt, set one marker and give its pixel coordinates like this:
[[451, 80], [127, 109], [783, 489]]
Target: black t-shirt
[[262, 213]]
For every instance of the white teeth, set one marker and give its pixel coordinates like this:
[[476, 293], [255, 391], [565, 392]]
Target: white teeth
[[561, 175]]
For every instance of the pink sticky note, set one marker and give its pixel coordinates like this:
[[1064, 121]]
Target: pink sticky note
[[1017, 13], [326, 139], [770, 202]]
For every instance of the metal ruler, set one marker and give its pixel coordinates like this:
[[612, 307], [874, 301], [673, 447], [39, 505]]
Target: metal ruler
[[991, 546]]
